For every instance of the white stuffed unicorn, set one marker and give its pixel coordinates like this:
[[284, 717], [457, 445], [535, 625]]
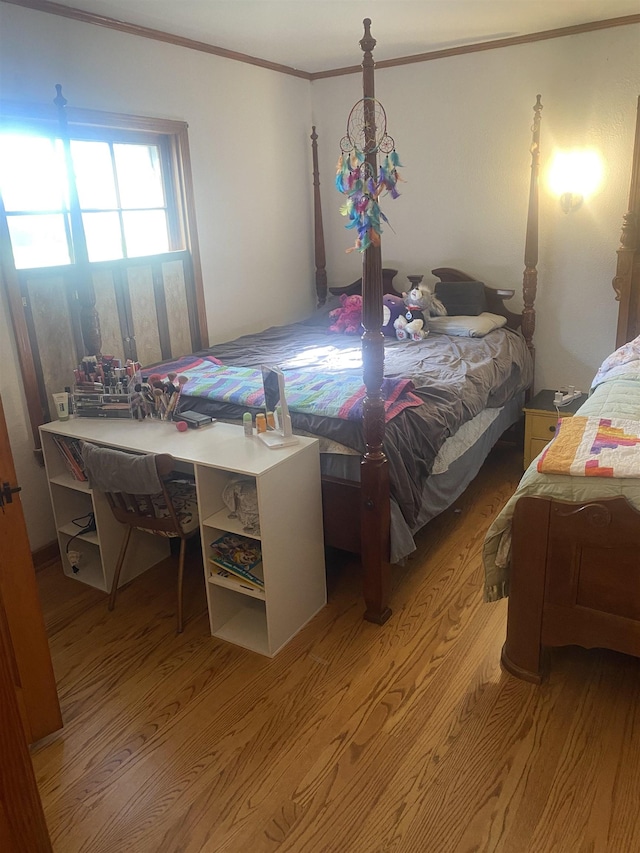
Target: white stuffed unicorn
[[420, 303]]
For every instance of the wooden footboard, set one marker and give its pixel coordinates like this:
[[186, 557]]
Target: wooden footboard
[[575, 580]]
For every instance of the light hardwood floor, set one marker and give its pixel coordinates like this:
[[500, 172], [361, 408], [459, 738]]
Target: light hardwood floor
[[354, 739]]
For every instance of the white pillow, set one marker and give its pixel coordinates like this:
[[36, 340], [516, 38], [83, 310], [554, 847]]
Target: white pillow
[[471, 327]]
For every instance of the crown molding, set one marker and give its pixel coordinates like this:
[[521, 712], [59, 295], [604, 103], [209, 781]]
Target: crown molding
[[159, 35], [561, 32], [156, 35]]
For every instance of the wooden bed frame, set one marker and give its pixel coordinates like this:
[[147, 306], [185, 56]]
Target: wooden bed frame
[[575, 567], [357, 516]]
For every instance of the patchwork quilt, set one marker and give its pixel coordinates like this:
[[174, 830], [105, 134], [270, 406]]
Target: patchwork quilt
[[334, 395], [593, 447]]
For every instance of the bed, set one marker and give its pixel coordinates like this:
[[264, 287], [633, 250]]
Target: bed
[[566, 548], [385, 475], [460, 386]]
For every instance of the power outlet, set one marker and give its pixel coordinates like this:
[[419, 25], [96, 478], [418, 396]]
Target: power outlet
[[74, 560]]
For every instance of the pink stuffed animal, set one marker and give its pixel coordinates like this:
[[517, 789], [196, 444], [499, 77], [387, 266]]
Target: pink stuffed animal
[[347, 318]]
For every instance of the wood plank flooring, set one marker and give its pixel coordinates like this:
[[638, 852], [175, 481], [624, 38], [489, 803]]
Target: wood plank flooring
[[405, 738]]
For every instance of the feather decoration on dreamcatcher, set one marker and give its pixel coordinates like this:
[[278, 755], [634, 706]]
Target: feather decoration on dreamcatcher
[[355, 178]]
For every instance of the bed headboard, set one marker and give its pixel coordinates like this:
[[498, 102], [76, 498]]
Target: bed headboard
[[495, 296], [526, 321], [627, 279]]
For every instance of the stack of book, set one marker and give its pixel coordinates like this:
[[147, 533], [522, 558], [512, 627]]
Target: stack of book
[[238, 559], [72, 454]]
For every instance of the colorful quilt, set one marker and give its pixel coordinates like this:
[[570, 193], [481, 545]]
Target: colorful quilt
[[593, 447], [334, 395]]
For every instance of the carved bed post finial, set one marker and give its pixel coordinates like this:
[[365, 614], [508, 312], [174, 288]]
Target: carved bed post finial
[[60, 101], [320, 257], [367, 42], [82, 280], [530, 277]]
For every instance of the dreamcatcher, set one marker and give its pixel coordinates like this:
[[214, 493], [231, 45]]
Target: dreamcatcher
[[361, 181]]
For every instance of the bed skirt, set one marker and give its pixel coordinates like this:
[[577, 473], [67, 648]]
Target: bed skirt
[[439, 490]]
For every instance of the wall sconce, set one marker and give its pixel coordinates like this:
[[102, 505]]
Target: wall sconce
[[575, 175], [571, 201]]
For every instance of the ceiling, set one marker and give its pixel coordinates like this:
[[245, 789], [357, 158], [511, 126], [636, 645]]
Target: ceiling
[[320, 35]]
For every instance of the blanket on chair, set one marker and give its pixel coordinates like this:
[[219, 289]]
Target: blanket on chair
[[593, 447], [334, 395]]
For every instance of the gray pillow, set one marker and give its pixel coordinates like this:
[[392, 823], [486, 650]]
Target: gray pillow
[[320, 316], [462, 297]]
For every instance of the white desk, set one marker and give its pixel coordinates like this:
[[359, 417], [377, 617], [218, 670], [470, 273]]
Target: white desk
[[289, 504]]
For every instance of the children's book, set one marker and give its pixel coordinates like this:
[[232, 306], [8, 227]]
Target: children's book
[[239, 555], [233, 581], [70, 450]]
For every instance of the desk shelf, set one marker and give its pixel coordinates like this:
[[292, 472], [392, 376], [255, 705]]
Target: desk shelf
[[72, 500], [73, 532], [223, 522], [290, 512], [289, 506], [241, 620], [68, 482]]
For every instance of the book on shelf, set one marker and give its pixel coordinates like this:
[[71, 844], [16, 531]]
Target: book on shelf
[[239, 556], [72, 454], [234, 581]]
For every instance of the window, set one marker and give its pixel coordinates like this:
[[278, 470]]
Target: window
[[98, 242], [122, 187]]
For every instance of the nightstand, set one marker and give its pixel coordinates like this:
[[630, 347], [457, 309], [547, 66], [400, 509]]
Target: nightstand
[[540, 419]]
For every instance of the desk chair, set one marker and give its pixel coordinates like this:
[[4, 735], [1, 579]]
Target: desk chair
[[142, 497]]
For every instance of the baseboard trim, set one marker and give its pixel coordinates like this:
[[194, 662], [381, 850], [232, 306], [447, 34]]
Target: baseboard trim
[[46, 555]]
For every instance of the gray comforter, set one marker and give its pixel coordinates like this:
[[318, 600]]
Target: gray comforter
[[455, 377]]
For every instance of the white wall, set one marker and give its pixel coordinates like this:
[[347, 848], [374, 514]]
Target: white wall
[[462, 127], [251, 159]]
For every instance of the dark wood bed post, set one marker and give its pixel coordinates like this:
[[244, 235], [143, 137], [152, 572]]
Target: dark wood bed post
[[320, 257], [82, 281], [627, 268], [374, 471], [530, 277]]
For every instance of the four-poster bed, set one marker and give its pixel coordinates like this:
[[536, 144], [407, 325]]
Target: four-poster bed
[[374, 510], [566, 548]]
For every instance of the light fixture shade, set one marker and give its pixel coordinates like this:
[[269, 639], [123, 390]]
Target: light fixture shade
[[574, 176]]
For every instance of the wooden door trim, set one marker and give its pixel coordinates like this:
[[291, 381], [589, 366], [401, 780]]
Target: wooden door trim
[[22, 822], [36, 690]]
